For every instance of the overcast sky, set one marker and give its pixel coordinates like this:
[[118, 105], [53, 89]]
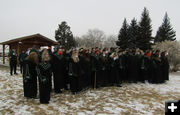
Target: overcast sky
[[25, 17]]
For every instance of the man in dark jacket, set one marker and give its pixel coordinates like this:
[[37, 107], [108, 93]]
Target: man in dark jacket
[[13, 61]]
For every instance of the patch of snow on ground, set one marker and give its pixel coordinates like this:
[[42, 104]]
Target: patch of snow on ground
[[132, 98]]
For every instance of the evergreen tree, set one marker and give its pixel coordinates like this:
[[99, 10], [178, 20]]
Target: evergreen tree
[[133, 31], [145, 31], [64, 36], [165, 31], [123, 36]]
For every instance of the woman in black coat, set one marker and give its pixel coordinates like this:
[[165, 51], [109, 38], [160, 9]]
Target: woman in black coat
[[30, 75], [75, 72], [44, 72]]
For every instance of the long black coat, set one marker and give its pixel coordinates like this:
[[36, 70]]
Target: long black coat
[[75, 72], [114, 73], [86, 66], [144, 67], [165, 68], [59, 72], [44, 72], [29, 79], [157, 71], [132, 68], [121, 69], [103, 71], [94, 64]]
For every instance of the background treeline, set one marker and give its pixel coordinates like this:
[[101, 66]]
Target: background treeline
[[136, 34]]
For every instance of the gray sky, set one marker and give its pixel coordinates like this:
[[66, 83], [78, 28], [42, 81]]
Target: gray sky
[[25, 17]]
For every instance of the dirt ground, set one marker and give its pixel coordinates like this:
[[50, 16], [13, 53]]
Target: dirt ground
[[131, 99]]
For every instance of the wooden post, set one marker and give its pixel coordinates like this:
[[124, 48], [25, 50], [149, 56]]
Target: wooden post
[[18, 52], [18, 49], [3, 54]]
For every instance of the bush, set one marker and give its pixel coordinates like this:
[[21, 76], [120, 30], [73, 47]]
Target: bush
[[173, 49]]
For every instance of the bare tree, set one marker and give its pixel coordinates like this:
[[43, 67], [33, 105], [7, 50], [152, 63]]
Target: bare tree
[[110, 41], [79, 41], [94, 38]]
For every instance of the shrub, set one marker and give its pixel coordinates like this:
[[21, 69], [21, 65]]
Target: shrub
[[173, 49]]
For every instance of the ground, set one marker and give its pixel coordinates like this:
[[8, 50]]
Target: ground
[[132, 98]]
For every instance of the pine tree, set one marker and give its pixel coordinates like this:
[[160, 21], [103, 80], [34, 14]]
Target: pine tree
[[64, 36], [145, 31], [165, 31], [123, 36], [133, 31]]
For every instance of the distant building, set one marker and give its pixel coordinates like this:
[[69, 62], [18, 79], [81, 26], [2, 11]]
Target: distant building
[[26, 42]]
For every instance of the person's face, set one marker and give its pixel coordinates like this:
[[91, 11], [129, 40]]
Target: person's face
[[76, 53], [46, 54], [104, 52], [120, 53]]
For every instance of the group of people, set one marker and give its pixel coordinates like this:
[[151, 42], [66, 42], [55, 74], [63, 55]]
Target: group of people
[[79, 69]]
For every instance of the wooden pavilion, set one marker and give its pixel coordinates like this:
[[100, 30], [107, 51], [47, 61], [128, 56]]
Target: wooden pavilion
[[26, 42]]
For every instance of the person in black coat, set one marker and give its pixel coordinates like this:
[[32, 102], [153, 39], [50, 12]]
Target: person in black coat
[[103, 73], [85, 62], [134, 68], [157, 71], [44, 72], [13, 61], [30, 75], [67, 56], [165, 66], [94, 63], [144, 68], [114, 70], [82, 79], [127, 59], [22, 57], [121, 69], [59, 71], [131, 66], [75, 72]]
